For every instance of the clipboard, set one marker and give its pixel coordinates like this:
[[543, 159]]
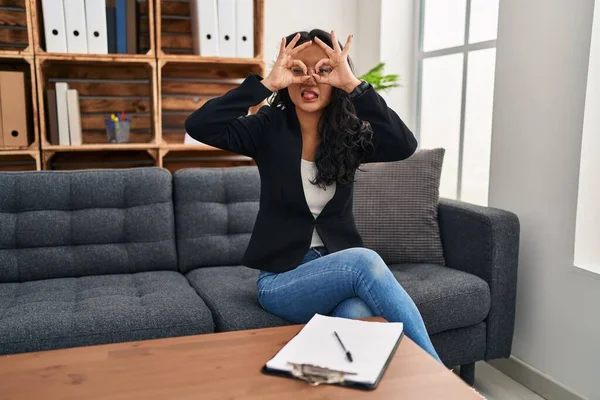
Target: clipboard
[[314, 375]]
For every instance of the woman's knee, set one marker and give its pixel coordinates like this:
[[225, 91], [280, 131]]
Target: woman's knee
[[369, 262], [352, 308]]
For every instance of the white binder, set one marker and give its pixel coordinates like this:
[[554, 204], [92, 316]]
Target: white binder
[[244, 10], [227, 34], [75, 23], [62, 113], [205, 32], [95, 21], [54, 26], [74, 117]]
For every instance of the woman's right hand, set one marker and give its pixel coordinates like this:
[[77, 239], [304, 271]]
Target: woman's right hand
[[286, 69]]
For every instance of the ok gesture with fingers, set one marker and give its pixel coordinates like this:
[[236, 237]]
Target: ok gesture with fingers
[[287, 69], [335, 70]]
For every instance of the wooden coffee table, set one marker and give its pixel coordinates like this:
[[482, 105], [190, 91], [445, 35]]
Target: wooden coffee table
[[212, 366]]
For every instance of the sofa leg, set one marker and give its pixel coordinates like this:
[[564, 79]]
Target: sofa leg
[[467, 373]]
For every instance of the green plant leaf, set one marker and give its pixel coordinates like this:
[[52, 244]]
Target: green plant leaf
[[379, 80]]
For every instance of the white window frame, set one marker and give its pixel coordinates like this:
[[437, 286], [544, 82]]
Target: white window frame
[[464, 49]]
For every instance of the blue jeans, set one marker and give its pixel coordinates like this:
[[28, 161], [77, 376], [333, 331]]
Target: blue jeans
[[352, 283]]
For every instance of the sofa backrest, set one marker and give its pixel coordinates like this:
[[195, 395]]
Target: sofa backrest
[[57, 224], [215, 211]]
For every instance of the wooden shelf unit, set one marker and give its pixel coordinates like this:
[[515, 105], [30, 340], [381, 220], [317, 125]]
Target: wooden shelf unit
[[145, 23], [158, 88], [16, 31]]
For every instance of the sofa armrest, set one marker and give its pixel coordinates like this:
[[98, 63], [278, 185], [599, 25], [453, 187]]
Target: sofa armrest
[[484, 241]]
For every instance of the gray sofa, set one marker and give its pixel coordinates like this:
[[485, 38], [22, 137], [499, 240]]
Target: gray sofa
[[90, 257]]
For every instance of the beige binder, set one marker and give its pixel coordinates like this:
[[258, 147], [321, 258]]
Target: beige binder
[[14, 110], [1, 134]]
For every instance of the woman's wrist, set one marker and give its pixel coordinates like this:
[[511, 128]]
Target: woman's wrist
[[350, 86], [267, 83]]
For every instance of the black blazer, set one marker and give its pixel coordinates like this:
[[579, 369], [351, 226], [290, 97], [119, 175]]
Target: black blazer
[[283, 228]]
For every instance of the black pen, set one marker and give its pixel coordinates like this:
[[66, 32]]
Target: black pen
[[348, 355]]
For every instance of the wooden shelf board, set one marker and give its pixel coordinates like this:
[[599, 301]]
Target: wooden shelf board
[[107, 58], [100, 147], [15, 54], [15, 152], [192, 58]]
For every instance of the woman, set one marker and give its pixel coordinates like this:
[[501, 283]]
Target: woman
[[321, 125]]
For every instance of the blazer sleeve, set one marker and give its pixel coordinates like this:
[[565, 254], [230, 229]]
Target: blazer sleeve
[[223, 122], [392, 140]]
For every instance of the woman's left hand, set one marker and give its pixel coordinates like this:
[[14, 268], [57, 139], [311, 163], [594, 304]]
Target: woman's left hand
[[335, 70]]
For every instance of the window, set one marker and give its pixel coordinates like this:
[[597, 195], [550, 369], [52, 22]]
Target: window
[[587, 232], [457, 56]]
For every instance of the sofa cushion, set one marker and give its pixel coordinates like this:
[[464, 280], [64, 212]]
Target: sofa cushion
[[446, 298], [395, 208], [215, 210], [58, 224], [68, 312], [230, 293]]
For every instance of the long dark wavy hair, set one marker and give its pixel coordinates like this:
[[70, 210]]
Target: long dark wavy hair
[[344, 140]]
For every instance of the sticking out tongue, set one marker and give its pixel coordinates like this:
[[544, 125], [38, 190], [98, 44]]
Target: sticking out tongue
[[309, 95]]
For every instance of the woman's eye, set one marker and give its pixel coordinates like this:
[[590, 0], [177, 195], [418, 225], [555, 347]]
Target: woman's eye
[[324, 71], [297, 71]]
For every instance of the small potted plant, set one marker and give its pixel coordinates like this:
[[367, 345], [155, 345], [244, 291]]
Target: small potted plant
[[381, 82]]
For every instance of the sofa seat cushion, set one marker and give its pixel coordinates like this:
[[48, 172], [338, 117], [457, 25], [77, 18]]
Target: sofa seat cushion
[[230, 293], [69, 312], [446, 298]]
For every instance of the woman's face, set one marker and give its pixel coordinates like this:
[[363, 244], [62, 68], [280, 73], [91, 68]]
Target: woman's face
[[310, 96]]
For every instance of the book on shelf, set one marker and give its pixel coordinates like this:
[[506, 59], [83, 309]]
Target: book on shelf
[[62, 113], [64, 116], [52, 117], [132, 26], [74, 117]]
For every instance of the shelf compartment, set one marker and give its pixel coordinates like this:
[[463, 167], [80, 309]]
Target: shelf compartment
[[25, 64], [174, 28], [20, 160], [145, 31], [58, 160], [104, 88], [185, 86], [15, 27], [175, 159]]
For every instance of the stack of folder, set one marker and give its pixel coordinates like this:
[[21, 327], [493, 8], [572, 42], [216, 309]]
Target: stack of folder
[[90, 26], [223, 28], [13, 110], [64, 118]]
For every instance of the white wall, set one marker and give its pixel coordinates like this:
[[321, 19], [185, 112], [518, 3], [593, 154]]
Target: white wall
[[383, 30], [587, 237], [541, 69], [398, 42]]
